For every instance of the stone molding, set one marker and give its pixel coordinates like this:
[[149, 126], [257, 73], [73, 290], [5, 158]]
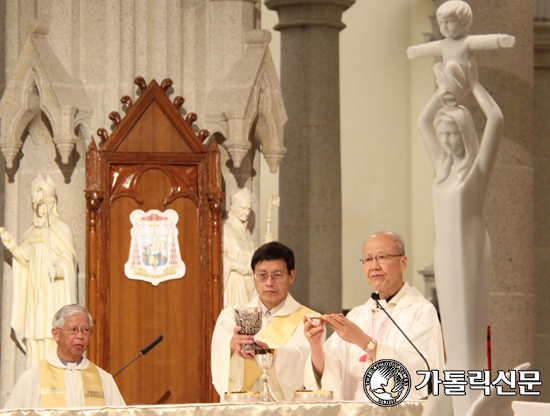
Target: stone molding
[[309, 13], [40, 83], [250, 100]]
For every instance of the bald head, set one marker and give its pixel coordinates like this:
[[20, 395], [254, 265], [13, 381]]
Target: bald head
[[396, 239]]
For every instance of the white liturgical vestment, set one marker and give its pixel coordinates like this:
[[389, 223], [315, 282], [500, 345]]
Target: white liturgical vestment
[[345, 363], [26, 393], [288, 372]]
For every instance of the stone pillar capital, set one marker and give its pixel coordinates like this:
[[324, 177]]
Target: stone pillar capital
[[309, 13]]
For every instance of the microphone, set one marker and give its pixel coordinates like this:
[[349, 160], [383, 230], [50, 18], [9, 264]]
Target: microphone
[[376, 297], [144, 351], [151, 345]]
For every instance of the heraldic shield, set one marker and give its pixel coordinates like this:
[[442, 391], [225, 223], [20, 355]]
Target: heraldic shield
[[154, 252]]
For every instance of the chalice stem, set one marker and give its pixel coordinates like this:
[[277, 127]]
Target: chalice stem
[[266, 386]]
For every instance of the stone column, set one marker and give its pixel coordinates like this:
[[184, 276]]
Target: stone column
[[507, 74], [310, 186], [542, 198]]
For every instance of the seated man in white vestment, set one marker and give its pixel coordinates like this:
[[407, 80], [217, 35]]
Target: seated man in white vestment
[[366, 334], [64, 378], [234, 369]]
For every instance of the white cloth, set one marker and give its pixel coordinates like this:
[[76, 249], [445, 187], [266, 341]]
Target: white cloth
[[417, 318], [32, 306], [26, 393], [289, 365], [238, 248]]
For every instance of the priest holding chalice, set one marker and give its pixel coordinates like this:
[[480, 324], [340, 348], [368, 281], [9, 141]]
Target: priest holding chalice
[[233, 365]]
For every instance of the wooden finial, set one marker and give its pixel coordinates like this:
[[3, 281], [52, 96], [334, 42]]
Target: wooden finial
[[93, 145], [178, 101], [114, 117], [191, 118], [103, 134], [166, 83], [126, 102], [203, 135], [140, 82]]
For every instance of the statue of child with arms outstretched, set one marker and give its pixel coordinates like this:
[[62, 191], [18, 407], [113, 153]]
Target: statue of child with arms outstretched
[[455, 18]]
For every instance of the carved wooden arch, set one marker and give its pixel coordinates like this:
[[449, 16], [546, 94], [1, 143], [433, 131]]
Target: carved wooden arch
[[154, 160]]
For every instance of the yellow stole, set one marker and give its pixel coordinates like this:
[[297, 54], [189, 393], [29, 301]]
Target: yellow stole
[[276, 334], [52, 386]]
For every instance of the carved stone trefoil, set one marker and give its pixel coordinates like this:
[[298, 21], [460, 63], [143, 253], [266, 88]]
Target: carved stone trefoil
[[250, 102], [40, 84]]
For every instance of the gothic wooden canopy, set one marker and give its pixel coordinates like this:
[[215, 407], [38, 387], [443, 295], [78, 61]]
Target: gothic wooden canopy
[[154, 160]]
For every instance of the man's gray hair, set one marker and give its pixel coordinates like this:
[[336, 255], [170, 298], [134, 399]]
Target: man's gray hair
[[397, 239], [67, 311]]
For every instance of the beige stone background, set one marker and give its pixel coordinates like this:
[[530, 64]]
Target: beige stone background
[[387, 176], [386, 173]]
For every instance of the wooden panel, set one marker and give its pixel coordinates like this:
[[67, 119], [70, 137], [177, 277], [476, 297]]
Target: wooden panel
[[141, 311], [153, 132], [154, 160]]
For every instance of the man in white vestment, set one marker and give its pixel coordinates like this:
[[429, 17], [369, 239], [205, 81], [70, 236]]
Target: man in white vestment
[[238, 246], [65, 378], [44, 272], [234, 369], [367, 334]]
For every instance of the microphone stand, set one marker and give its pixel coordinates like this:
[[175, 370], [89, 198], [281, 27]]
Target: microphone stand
[[143, 352], [375, 297]]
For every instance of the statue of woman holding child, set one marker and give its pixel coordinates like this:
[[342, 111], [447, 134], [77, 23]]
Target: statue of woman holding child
[[462, 165]]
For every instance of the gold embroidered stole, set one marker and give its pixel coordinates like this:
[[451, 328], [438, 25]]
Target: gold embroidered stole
[[52, 386], [277, 333]]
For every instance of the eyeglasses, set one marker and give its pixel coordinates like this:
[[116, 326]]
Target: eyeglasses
[[276, 276], [73, 331], [380, 258]]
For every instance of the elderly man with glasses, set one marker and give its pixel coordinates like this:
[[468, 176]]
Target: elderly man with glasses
[[367, 334], [233, 368], [64, 378]]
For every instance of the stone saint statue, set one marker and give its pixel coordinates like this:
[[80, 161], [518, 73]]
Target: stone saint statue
[[238, 247], [462, 256], [44, 272]]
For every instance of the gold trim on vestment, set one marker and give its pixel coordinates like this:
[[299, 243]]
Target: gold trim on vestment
[[93, 387], [277, 333], [52, 390], [96, 394], [52, 386]]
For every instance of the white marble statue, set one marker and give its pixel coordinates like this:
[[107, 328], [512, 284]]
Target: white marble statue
[[44, 272], [458, 48], [238, 247], [462, 257], [273, 203]]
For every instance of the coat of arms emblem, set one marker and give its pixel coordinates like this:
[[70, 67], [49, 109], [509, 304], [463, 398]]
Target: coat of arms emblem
[[154, 252]]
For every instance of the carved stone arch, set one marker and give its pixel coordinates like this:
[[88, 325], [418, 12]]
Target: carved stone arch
[[263, 125], [250, 88], [60, 96], [82, 122], [21, 117], [218, 132]]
